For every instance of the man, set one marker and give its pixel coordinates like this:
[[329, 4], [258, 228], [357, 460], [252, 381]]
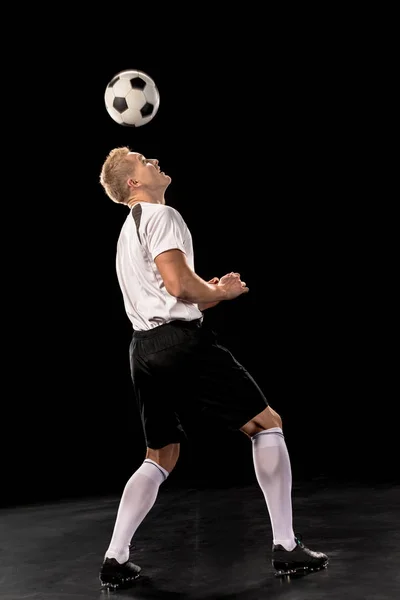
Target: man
[[178, 369]]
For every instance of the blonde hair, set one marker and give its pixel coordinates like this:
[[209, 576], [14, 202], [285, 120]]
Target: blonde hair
[[114, 173]]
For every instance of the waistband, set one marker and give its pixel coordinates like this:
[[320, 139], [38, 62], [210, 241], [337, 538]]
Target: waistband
[[177, 323]]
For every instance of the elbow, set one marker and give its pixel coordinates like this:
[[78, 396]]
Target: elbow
[[174, 288], [180, 285]]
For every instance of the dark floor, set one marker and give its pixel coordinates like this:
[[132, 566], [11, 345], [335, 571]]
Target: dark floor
[[207, 544]]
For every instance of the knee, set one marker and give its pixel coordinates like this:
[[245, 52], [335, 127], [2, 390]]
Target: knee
[[268, 419], [166, 457], [265, 420], [277, 419]]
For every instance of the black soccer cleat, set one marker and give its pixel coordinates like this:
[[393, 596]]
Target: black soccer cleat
[[115, 576], [299, 561]]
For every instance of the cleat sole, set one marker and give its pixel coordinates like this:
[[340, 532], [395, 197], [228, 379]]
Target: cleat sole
[[119, 583], [284, 571]]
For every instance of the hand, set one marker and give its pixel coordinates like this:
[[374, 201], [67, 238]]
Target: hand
[[233, 285]]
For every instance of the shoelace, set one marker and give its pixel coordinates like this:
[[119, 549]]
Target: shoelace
[[298, 539]]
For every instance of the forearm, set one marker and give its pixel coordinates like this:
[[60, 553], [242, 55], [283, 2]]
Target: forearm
[[205, 305], [194, 289]]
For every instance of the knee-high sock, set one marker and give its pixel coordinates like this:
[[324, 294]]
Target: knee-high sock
[[274, 475], [137, 499]]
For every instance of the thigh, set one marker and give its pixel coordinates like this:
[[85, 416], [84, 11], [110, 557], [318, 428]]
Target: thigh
[[153, 366], [226, 391], [160, 421]]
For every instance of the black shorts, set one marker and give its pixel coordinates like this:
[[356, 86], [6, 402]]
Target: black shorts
[[180, 372]]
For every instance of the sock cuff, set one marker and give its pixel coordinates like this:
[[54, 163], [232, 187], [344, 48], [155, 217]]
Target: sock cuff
[[154, 470], [268, 437]]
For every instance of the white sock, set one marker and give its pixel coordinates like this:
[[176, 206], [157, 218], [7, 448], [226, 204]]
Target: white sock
[[137, 499], [274, 475]]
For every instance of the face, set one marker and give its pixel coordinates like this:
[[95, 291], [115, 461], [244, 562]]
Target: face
[[148, 172]]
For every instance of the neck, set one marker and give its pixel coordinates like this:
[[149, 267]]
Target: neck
[[134, 200], [131, 202]]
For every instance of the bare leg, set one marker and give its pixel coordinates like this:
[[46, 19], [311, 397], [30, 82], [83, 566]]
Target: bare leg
[[267, 419]]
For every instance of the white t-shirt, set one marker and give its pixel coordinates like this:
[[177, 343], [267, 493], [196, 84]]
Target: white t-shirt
[[148, 230]]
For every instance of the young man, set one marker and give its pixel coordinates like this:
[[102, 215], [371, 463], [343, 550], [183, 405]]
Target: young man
[[179, 370]]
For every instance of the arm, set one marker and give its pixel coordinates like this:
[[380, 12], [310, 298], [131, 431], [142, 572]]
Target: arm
[[182, 282], [165, 242], [204, 306]]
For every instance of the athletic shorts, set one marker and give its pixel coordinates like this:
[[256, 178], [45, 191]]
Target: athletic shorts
[[179, 373]]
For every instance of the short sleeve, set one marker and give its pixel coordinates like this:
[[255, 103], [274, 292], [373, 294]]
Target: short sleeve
[[165, 231]]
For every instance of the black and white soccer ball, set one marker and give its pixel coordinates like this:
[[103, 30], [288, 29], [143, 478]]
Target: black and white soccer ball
[[132, 98]]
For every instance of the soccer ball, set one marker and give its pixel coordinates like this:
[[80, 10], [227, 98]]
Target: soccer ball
[[132, 98]]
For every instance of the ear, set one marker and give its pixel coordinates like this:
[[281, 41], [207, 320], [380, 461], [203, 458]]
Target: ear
[[133, 183]]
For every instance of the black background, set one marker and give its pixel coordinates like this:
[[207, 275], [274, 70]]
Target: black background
[[261, 126]]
